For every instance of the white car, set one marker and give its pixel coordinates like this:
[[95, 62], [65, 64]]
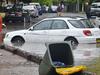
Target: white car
[[53, 9], [77, 30], [33, 11], [95, 9]]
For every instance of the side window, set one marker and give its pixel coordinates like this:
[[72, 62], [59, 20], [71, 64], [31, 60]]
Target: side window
[[76, 23], [44, 25], [59, 24]]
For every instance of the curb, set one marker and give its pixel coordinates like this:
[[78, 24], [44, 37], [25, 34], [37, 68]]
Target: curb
[[29, 56]]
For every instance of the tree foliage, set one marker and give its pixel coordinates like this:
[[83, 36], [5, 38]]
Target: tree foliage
[[80, 1], [71, 1], [43, 2], [49, 2]]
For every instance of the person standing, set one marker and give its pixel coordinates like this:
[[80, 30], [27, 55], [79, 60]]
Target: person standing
[[59, 10], [62, 4], [87, 10]]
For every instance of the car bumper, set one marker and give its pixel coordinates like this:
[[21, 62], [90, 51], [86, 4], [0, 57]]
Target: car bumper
[[91, 40], [7, 41]]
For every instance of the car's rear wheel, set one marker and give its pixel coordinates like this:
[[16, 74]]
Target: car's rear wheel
[[74, 42], [17, 41]]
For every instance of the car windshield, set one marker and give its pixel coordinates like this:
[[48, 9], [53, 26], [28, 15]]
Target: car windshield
[[84, 23]]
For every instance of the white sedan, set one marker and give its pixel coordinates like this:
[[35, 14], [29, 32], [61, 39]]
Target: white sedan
[[74, 29]]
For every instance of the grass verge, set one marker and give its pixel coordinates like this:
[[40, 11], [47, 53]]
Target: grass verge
[[95, 66]]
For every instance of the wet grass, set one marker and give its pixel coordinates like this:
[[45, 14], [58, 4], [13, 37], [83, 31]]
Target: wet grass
[[95, 67]]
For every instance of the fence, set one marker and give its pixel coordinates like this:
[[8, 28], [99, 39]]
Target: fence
[[69, 7]]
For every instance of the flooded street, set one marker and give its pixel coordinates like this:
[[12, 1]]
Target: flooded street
[[83, 54]]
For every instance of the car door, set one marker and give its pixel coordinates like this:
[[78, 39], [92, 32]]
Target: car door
[[38, 33], [58, 31]]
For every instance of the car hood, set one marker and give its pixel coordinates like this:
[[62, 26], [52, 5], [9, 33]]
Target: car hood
[[18, 31]]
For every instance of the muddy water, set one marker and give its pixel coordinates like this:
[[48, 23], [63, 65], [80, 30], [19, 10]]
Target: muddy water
[[83, 54]]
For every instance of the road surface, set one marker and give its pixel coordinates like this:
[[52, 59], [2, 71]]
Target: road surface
[[11, 64]]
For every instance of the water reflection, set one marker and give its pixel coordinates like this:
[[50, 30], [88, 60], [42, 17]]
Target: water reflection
[[83, 54]]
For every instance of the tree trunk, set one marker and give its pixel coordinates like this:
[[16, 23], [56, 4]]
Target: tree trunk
[[82, 7]]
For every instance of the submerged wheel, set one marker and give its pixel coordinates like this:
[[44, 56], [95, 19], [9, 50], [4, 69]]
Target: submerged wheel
[[17, 41], [74, 42]]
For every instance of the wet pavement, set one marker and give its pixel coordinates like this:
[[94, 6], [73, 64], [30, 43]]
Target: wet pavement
[[11, 64]]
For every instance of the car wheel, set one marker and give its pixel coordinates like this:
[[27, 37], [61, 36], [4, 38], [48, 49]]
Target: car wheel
[[17, 41], [74, 42]]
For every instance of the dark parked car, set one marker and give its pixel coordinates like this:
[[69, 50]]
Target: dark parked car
[[15, 14]]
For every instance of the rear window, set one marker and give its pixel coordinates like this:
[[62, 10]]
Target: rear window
[[81, 23]]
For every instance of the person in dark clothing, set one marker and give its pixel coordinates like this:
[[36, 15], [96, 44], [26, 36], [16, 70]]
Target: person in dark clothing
[[60, 10], [88, 10]]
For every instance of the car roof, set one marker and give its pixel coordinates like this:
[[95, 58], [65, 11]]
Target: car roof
[[66, 18]]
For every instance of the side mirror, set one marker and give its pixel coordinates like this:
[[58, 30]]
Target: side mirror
[[31, 29], [4, 26]]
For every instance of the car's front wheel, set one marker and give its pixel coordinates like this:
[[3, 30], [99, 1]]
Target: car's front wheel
[[74, 42], [17, 41]]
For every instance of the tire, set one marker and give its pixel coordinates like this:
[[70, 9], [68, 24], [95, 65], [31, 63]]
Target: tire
[[17, 41], [74, 42]]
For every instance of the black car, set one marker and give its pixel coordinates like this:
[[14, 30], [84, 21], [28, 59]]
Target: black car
[[15, 14]]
